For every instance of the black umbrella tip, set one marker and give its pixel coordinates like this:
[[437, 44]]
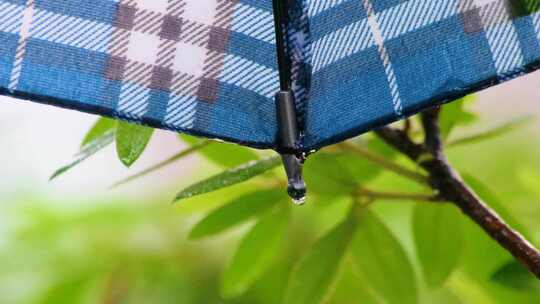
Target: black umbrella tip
[[297, 191]]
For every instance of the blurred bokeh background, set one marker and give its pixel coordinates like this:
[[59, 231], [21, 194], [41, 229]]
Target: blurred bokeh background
[[74, 240]]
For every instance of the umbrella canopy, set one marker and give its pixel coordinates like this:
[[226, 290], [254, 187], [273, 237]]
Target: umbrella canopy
[[209, 67]]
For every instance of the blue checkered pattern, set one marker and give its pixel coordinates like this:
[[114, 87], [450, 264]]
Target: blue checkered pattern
[[376, 61], [68, 53], [357, 64]]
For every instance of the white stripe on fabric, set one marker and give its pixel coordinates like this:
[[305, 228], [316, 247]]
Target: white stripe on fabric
[[10, 17], [412, 15], [341, 43], [317, 6], [501, 36], [385, 58], [505, 48], [250, 75], [21, 47], [536, 23], [133, 100], [181, 111], [254, 22], [72, 31]]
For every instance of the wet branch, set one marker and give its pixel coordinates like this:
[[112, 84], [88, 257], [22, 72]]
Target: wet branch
[[447, 182]]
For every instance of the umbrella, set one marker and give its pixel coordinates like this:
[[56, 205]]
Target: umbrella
[[216, 68]]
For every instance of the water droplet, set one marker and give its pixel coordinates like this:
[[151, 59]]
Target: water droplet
[[299, 201]]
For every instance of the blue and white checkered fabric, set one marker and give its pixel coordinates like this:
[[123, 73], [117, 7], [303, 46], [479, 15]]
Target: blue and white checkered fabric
[[375, 61], [208, 67]]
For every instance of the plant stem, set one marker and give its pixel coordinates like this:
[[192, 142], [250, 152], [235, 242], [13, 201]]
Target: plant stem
[[383, 162], [164, 163], [444, 179], [372, 194]]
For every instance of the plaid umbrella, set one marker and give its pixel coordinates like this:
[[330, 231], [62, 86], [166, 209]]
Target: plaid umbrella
[[213, 67]]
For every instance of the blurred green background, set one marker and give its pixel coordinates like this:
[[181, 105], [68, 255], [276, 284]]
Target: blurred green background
[[74, 240]]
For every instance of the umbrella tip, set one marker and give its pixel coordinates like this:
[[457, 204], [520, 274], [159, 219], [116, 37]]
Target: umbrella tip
[[296, 188], [297, 192]]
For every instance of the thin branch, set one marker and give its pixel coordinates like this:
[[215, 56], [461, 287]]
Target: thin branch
[[385, 163], [407, 125], [372, 195], [432, 131], [444, 179], [164, 163]]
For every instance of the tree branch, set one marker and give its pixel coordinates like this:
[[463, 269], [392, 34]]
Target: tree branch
[[447, 182], [385, 163], [373, 194]]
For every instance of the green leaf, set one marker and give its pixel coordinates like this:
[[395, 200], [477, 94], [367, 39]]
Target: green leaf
[[223, 154], [516, 276], [454, 114], [313, 277], [131, 140], [230, 177], [438, 237], [382, 262], [86, 151], [102, 126], [326, 176], [254, 254], [493, 133], [236, 212]]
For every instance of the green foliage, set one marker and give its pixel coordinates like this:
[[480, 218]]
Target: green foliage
[[176, 157], [514, 275], [230, 177], [236, 212], [382, 262], [315, 273], [87, 151], [438, 238], [70, 290], [223, 154], [131, 140], [100, 128], [455, 114], [326, 177], [503, 129], [255, 253], [343, 247]]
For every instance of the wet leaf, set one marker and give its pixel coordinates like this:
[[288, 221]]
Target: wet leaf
[[86, 151], [102, 126], [236, 212], [131, 141], [230, 177]]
